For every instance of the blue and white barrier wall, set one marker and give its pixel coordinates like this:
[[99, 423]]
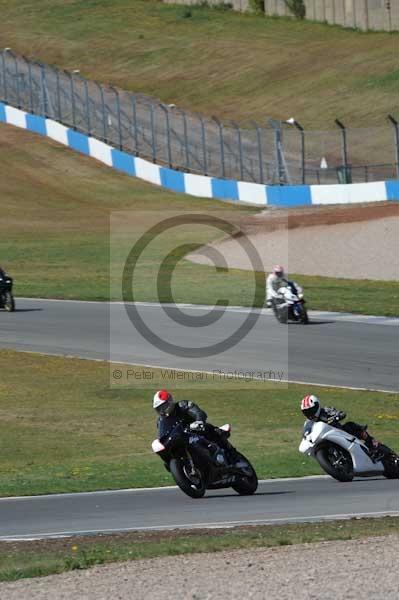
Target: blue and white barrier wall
[[199, 185]]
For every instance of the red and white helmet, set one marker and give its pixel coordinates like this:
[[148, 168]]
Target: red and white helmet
[[310, 406], [163, 403], [278, 270]]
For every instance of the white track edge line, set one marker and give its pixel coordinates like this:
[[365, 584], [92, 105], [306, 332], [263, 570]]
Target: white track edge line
[[147, 489], [317, 313], [149, 366], [212, 525]]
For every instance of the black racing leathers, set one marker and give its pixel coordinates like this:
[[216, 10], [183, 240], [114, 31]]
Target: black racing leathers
[[332, 416], [188, 412]]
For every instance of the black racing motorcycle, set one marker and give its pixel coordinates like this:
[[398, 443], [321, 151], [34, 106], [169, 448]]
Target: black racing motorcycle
[[197, 464], [6, 298]]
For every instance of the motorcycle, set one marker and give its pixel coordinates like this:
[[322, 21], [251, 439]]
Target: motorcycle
[[344, 456], [197, 464], [290, 304], [6, 298]]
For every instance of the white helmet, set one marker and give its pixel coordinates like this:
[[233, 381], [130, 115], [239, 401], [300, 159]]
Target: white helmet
[[310, 406], [278, 270], [163, 403]]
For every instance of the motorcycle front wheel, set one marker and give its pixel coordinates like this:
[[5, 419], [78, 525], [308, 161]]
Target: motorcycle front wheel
[[248, 483], [191, 483], [391, 466], [304, 316], [9, 302], [281, 315], [335, 461]]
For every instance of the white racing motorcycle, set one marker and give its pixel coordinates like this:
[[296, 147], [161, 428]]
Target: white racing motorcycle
[[344, 456], [290, 304]]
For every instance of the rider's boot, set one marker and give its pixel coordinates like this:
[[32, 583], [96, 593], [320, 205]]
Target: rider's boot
[[233, 454], [377, 450]]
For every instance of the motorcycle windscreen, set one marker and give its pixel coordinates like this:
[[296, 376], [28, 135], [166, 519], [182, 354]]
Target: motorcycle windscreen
[[166, 425]]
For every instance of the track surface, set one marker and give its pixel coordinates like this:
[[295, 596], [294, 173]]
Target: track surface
[[335, 349], [279, 501]]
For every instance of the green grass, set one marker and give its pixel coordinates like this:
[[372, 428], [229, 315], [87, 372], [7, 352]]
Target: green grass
[[216, 61], [54, 231], [34, 559], [64, 429], [361, 296], [54, 235]]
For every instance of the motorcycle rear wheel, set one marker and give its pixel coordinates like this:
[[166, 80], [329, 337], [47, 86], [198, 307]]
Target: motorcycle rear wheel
[[9, 302], [247, 485], [187, 485], [335, 461]]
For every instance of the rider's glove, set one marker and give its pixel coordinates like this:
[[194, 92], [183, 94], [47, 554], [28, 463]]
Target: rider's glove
[[197, 426], [338, 416]]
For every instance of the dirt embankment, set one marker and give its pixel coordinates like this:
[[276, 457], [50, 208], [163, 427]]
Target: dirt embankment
[[352, 241]]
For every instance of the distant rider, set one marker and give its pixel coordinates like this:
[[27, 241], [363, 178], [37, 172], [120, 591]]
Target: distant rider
[[274, 282], [191, 414], [312, 409]]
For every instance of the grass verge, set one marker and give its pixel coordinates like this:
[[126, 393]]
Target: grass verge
[[55, 238], [32, 559], [361, 296], [64, 429]]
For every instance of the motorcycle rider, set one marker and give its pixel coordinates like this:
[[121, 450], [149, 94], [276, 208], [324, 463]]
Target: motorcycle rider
[[274, 282], [191, 414], [312, 410]]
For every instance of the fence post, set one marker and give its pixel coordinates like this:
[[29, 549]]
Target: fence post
[[152, 120], [3, 57], [165, 110], [87, 102], [237, 127], [28, 63], [118, 110], [203, 140], [395, 124], [260, 154], [72, 98], [43, 87], [17, 81], [281, 174], [59, 110], [344, 149], [222, 158], [185, 134], [134, 109], [103, 110], [301, 130], [12, 55]]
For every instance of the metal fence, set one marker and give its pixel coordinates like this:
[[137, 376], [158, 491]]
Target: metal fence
[[274, 153]]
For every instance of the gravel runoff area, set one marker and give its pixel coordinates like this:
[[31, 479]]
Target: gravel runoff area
[[355, 242], [366, 568]]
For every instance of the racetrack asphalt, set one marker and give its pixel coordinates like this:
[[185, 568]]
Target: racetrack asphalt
[[276, 502], [344, 350], [334, 349]]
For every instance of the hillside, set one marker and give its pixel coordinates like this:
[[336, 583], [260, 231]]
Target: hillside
[[56, 209], [215, 61]]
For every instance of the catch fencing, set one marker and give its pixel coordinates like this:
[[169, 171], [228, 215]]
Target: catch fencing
[[275, 153]]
